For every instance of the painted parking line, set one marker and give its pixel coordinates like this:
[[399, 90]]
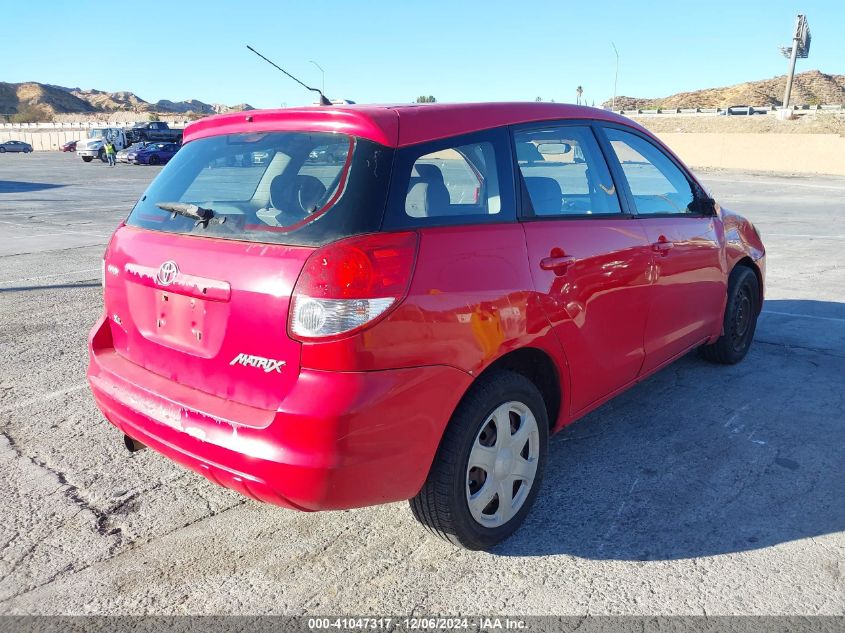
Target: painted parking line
[[40, 277], [43, 398], [804, 316]]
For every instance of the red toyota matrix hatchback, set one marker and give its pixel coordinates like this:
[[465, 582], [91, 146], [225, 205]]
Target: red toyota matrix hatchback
[[334, 307]]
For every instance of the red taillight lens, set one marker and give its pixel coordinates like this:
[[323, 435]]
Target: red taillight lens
[[348, 284]]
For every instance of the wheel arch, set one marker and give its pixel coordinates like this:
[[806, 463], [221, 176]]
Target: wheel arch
[[747, 262], [538, 367]]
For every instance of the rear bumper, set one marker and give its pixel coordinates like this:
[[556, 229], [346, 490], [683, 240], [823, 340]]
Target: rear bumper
[[339, 440]]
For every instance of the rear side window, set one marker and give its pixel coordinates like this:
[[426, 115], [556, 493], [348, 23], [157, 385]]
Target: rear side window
[[657, 185], [464, 180], [563, 172], [297, 188]]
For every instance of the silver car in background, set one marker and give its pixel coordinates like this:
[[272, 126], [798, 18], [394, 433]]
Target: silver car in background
[[15, 146], [123, 155]]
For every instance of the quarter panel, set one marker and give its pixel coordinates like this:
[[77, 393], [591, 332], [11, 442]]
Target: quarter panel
[[471, 301]]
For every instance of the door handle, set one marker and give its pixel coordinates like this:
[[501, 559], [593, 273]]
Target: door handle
[[662, 246], [557, 262]]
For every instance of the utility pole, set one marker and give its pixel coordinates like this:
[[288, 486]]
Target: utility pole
[[800, 48], [616, 77]]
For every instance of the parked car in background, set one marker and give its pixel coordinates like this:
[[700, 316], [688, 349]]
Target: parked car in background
[[123, 155], [153, 154], [330, 154], [70, 146], [153, 131], [15, 146], [415, 320]]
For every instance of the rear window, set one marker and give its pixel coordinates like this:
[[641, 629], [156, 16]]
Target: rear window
[[459, 180], [294, 188]]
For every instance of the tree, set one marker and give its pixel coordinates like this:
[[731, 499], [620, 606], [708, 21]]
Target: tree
[[538, 99], [428, 99], [578, 92]]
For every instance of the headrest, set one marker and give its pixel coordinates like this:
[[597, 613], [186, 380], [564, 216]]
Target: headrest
[[298, 195], [427, 200], [546, 195], [429, 173], [528, 152]]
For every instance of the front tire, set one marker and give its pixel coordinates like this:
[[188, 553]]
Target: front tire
[[489, 465], [87, 159], [740, 319], [153, 160]]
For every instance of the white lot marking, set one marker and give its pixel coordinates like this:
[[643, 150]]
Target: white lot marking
[[804, 316], [72, 272], [43, 398], [815, 237], [619, 512]]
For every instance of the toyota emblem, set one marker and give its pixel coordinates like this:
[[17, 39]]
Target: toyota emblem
[[167, 273]]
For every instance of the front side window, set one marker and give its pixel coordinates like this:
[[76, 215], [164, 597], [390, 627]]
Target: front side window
[[563, 172], [268, 187], [657, 185]]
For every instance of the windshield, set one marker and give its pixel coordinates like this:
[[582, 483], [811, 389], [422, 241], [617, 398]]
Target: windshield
[[281, 187], [96, 133]]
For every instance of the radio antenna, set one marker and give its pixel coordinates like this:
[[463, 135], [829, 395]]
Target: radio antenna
[[323, 100]]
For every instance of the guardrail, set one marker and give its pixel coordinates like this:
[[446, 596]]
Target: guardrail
[[84, 125], [799, 110]]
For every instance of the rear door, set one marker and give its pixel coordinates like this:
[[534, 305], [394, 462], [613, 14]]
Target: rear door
[[688, 243], [589, 260]]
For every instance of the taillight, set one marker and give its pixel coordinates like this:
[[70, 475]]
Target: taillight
[[351, 283]]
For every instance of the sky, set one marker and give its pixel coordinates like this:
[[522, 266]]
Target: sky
[[395, 51]]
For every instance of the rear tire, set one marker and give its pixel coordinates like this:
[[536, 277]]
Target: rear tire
[[153, 160], [740, 319], [489, 465]]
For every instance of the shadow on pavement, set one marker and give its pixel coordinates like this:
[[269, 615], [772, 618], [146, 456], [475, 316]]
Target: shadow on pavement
[[14, 186], [704, 459]]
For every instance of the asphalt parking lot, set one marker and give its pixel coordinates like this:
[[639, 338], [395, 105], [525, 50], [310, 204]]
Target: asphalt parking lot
[[704, 490]]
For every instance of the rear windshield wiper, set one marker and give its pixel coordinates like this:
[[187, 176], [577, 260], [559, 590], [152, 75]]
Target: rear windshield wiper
[[200, 214]]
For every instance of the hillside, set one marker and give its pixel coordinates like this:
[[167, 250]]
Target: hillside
[[809, 88], [47, 101]]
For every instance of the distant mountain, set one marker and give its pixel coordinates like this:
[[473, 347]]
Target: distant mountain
[[808, 88], [46, 101]]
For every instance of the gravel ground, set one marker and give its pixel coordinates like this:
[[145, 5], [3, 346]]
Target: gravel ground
[[704, 490]]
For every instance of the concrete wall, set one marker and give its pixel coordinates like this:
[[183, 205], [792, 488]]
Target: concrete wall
[[790, 153], [43, 140]]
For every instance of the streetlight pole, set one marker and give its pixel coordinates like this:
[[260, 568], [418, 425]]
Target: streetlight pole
[[615, 77], [323, 74]]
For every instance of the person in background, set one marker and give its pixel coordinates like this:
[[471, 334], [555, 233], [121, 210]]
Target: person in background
[[110, 152]]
